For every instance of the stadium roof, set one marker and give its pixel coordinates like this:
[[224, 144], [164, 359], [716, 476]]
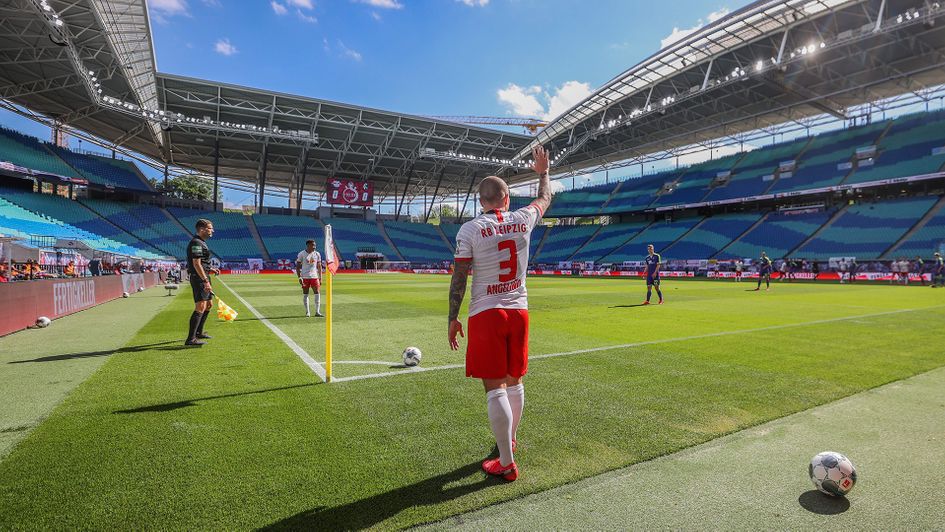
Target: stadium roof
[[771, 62], [90, 65]]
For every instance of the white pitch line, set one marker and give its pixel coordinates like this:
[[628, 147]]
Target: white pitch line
[[648, 342], [308, 360]]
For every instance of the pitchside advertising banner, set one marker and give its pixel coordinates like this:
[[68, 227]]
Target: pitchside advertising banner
[[350, 193], [22, 302]]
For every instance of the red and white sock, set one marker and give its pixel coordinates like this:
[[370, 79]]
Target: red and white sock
[[517, 402], [500, 418]]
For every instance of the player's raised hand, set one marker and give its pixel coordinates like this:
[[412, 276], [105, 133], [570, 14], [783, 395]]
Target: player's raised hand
[[455, 328], [540, 156]]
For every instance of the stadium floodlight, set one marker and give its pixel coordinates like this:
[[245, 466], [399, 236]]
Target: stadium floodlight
[[759, 66], [58, 21]]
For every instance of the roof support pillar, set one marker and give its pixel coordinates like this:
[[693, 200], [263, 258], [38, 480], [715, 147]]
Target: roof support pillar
[[403, 196], [298, 205], [783, 45], [459, 212], [436, 190], [216, 173], [262, 178], [708, 70], [879, 17]]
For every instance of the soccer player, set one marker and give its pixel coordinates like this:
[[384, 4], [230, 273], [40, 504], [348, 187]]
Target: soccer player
[[308, 267], [652, 262], [739, 264], [764, 272], [938, 271], [199, 269], [919, 268], [495, 246]]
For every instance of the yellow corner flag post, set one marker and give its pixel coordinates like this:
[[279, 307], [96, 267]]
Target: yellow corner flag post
[[331, 263]]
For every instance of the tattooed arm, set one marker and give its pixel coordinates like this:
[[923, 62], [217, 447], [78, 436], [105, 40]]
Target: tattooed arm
[[540, 167], [457, 293]]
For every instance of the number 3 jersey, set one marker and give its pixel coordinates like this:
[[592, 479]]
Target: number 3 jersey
[[497, 243]]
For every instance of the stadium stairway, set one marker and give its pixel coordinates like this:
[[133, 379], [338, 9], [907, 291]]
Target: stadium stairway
[[446, 240], [611, 197], [936, 210], [739, 237], [253, 230], [584, 244], [383, 232], [541, 243], [682, 237], [836, 216]]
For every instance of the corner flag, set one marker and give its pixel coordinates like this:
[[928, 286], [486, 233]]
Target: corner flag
[[331, 266]]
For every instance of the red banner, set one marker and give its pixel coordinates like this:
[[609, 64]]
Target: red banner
[[350, 193], [24, 301]]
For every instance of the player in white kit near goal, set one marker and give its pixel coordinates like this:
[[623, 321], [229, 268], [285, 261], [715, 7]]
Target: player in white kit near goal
[[495, 245]]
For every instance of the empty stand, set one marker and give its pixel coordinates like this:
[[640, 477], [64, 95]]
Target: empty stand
[[867, 230], [231, 239], [418, 242], [284, 236], [711, 236]]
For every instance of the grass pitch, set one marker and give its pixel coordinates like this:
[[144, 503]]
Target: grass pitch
[[241, 434]]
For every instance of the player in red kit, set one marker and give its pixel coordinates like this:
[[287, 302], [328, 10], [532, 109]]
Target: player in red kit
[[495, 245]]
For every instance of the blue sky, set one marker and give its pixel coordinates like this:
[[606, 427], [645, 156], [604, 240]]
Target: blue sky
[[429, 57]]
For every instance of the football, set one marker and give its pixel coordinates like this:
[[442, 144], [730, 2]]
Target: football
[[832, 473], [42, 321], [124, 294], [412, 356], [140, 289]]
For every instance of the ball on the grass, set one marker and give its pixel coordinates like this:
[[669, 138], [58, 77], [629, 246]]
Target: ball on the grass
[[124, 294], [140, 289], [43, 321], [832, 473], [412, 357]]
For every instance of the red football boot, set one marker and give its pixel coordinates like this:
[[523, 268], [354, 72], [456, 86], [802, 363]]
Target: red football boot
[[645, 303], [494, 467]]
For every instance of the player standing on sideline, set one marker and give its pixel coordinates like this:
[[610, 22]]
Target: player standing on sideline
[[739, 264], [938, 271], [764, 272], [652, 262], [784, 270], [308, 267], [199, 269], [495, 245], [919, 266]]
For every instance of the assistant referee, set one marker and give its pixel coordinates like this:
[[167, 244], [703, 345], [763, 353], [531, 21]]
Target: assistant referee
[[198, 266]]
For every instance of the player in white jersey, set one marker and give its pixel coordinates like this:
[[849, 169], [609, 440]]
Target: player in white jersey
[[308, 266], [495, 246]]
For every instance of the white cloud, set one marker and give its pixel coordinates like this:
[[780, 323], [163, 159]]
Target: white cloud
[[680, 33], [383, 4], [348, 52], [521, 101], [566, 97], [302, 4], [534, 102], [278, 8], [376, 16], [162, 9], [224, 47], [305, 18], [475, 3]]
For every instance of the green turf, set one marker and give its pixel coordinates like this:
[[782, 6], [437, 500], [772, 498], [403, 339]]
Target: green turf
[[757, 478], [39, 367], [240, 434]]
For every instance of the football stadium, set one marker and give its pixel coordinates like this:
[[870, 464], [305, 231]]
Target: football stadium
[[222, 294]]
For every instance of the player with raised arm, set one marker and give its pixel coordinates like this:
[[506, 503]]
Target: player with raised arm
[[308, 268], [653, 264], [764, 271], [495, 246]]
